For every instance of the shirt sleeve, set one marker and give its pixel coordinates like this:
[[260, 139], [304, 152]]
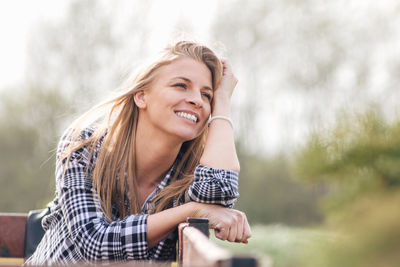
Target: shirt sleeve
[[214, 186], [95, 237]]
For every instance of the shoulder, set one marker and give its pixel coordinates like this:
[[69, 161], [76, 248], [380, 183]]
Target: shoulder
[[74, 142], [78, 134]]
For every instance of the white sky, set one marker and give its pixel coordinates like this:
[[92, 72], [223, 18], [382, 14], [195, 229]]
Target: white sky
[[18, 18]]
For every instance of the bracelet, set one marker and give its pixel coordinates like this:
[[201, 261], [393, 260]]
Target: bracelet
[[221, 117]]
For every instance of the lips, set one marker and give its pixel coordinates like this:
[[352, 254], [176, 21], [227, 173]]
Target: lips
[[188, 115]]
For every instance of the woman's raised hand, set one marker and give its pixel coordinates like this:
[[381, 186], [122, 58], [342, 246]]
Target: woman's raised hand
[[228, 224], [227, 84]]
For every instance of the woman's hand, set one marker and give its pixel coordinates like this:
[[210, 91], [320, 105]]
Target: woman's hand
[[223, 94], [228, 224]]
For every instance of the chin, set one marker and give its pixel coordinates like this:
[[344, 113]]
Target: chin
[[187, 136]]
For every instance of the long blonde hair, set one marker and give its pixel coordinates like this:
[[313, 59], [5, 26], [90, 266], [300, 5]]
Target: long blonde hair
[[114, 169]]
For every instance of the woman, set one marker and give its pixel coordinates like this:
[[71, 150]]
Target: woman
[[149, 159]]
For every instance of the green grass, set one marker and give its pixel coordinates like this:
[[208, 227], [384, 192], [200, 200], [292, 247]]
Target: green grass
[[284, 246]]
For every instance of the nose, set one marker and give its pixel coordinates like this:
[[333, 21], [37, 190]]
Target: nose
[[194, 98]]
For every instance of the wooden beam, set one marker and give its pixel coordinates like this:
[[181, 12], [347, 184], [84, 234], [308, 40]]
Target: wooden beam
[[195, 249]]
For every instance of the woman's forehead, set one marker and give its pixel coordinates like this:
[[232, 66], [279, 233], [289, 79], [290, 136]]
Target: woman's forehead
[[188, 68]]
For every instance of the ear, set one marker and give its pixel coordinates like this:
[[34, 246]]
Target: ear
[[140, 99]]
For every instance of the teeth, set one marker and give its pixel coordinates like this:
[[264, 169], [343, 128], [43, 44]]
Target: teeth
[[187, 116]]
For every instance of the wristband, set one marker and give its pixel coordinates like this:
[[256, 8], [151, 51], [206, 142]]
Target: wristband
[[221, 117]]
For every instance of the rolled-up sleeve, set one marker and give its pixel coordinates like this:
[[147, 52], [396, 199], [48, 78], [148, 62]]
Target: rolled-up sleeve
[[214, 186]]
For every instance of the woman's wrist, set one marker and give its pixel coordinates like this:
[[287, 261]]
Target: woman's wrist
[[192, 209], [219, 117], [221, 108]]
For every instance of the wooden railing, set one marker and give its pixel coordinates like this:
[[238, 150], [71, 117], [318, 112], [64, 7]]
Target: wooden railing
[[195, 248]]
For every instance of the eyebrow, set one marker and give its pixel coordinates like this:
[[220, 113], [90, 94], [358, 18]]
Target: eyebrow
[[189, 81]]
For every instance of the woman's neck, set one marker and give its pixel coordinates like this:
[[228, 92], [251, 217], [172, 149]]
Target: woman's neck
[[155, 154]]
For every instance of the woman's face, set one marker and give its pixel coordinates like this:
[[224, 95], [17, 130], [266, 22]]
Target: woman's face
[[178, 103]]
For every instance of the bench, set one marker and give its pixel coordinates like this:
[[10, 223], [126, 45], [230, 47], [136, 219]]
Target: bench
[[12, 237], [193, 248]]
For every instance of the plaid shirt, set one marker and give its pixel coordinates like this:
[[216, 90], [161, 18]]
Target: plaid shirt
[[78, 231]]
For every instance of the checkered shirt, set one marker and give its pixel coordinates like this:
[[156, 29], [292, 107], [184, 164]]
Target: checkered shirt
[[77, 231]]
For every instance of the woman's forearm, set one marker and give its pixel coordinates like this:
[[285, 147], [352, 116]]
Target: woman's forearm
[[161, 224], [229, 224], [219, 151]]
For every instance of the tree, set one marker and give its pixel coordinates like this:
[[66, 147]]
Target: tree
[[300, 62], [71, 63], [360, 161]]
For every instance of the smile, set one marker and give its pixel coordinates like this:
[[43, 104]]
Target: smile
[[187, 116]]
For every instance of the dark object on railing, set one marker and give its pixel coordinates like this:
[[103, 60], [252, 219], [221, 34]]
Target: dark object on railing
[[195, 249], [240, 261], [200, 224], [34, 231]]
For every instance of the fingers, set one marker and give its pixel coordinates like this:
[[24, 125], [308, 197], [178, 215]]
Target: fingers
[[243, 228], [233, 230], [233, 227], [240, 229], [228, 224], [221, 232], [228, 81], [246, 231]]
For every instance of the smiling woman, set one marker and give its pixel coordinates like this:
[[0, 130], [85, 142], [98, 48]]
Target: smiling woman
[[131, 169]]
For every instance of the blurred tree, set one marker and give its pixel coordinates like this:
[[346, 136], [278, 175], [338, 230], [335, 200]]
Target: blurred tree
[[29, 122], [269, 194], [299, 62], [360, 155], [71, 64], [88, 53], [360, 161]]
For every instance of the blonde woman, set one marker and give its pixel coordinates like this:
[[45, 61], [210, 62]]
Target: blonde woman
[[153, 157]]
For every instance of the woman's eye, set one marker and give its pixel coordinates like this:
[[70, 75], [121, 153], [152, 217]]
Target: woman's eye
[[208, 96], [182, 85]]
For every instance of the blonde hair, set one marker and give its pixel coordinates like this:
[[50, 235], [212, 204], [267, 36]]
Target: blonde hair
[[114, 169]]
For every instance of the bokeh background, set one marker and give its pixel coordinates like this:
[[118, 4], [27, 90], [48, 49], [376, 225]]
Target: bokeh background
[[316, 109]]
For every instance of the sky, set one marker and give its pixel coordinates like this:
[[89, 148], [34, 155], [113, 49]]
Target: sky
[[19, 17], [280, 122]]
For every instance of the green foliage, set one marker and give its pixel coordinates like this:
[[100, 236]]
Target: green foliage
[[367, 235], [359, 159], [269, 194], [29, 128], [70, 63], [279, 244], [361, 154]]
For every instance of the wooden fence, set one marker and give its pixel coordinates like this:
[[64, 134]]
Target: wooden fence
[[194, 247]]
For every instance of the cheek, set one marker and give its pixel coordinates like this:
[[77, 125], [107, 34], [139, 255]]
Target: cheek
[[206, 114], [207, 111]]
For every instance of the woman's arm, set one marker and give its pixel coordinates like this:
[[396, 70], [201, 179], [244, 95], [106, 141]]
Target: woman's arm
[[229, 224], [132, 237], [219, 151]]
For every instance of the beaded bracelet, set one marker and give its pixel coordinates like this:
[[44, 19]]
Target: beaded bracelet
[[221, 117]]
